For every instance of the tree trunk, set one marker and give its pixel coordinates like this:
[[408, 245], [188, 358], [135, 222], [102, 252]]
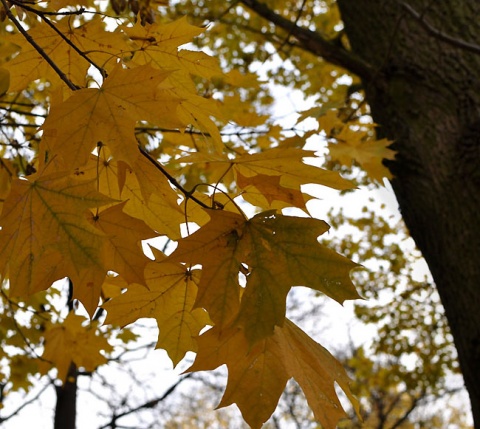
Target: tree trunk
[[425, 95], [66, 406]]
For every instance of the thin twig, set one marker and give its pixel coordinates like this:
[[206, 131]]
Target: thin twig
[[21, 112], [149, 404], [80, 11], [243, 132], [295, 24], [43, 16], [26, 403], [171, 179], [19, 124], [37, 47], [72, 45]]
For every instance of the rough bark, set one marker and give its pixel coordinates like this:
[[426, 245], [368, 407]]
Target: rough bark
[[425, 94]]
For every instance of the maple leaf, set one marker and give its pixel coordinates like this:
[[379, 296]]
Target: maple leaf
[[169, 300], [276, 252], [91, 38], [109, 114], [285, 163], [72, 341], [157, 44], [215, 247], [369, 154], [21, 366], [243, 114], [123, 251], [288, 163], [45, 233], [265, 191], [316, 371], [147, 193], [257, 374]]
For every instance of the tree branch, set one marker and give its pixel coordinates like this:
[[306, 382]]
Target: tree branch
[[438, 34], [407, 413], [171, 179], [314, 43], [43, 16], [149, 404], [26, 403], [37, 47]]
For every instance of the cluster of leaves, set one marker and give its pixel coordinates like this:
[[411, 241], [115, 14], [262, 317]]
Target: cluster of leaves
[[106, 143], [402, 370]]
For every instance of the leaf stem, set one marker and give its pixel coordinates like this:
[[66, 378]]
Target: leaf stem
[[71, 44], [171, 179]]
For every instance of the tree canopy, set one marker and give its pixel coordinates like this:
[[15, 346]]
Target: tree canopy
[[118, 127]]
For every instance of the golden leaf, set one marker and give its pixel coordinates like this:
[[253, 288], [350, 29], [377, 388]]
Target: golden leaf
[[169, 300], [45, 234]]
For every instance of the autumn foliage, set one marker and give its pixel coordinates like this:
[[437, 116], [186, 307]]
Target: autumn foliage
[[118, 146]]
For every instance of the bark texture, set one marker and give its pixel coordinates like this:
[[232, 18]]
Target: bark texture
[[425, 94]]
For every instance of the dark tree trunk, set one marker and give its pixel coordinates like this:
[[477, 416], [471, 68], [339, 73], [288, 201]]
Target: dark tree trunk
[[425, 94], [66, 405]]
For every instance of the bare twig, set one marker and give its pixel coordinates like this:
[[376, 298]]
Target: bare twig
[[149, 404], [43, 15], [295, 24], [171, 179], [26, 403], [79, 11], [37, 47], [313, 42], [72, 45]]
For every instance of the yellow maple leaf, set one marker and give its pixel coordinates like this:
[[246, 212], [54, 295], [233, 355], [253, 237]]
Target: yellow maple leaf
[[257, 374], [21, 369], [157, 45], [368, 154], [169, 299], [286, 163], [265, 191], [243, 80], [147, 193], [28, 65], [108, 115], [45, 234], [316, 371], [242, 113], [72, 341], [275, 252], [215, 247], [124, 233]]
